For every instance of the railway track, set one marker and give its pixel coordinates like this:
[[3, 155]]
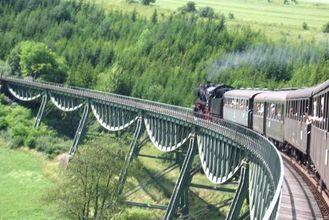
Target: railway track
[[300, 196]]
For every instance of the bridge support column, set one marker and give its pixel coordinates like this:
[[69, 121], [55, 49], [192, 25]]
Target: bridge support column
[[41, 110], [180, 191], [133, 151], [241, 193], [79, 131]]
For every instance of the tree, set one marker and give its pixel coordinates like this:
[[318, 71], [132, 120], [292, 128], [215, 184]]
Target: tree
[[87, 188], [37, 60], [154, 18], [147, 2], [325, 28], [190, 7], [207, 12], [13, 61], [83, 75]]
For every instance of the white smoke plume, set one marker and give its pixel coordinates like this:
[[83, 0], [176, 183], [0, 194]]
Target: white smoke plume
[[267, 58]]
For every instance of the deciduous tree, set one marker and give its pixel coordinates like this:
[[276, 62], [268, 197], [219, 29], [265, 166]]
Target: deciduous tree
[[87, 189]]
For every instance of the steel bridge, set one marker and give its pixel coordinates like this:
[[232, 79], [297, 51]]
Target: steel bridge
[[225, 150]]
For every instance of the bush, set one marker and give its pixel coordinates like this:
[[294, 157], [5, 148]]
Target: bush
[[207, 12], [16, 142], [325, 28], [305, 26], [16, 125], [189, 7], [147, 2], [230, 15]]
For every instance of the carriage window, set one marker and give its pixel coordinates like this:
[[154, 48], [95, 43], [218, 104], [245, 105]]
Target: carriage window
[[327, 111], [257, 108], [229, 102], [303, 108], [234, 103], [300, 110], [290, 112], [278, 112], [241, 105], [314, 108], [322, 113], [271, 109], [295, 110]]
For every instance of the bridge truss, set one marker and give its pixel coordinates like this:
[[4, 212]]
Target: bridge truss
[[226, 150]]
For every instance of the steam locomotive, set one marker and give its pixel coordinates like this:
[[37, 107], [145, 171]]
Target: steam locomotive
[[296, 121]]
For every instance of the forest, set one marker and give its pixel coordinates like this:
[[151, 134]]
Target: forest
[[161, 58]]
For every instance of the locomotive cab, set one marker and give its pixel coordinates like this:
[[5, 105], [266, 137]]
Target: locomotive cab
[[210, 99]]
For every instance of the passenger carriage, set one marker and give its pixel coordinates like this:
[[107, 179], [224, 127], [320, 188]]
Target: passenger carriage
[[298, 113], [319, 148], [269, 114], [238, 106]]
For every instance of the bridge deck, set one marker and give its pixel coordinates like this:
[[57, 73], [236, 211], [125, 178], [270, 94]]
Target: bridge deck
[[297, 201]]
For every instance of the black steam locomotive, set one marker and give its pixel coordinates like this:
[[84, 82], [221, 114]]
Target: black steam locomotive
[[294, 120], [210, 99]]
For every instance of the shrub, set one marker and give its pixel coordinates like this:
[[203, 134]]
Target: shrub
[[207, 12], [305, 26], [16, 142], [325, 28], [189, 7], [147, 2], [230, 15]]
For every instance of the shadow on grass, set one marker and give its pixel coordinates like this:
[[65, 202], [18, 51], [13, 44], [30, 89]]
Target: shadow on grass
[[159, 190]]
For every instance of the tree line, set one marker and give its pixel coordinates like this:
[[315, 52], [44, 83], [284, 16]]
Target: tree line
[[124, 52]]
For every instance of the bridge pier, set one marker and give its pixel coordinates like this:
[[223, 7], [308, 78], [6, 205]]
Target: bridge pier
[[133, 151], [78, 133], [184, 199], [41, 110], [180, 192], [241, 193]]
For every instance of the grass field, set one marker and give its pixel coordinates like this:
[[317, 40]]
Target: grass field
[[275, 19], [23, 184], [25, 178]]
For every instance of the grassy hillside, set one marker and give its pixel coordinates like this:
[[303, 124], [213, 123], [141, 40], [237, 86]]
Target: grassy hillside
[[23, 184], [276, 19]]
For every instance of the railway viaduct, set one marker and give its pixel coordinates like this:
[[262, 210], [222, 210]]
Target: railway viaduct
[[225, 150]]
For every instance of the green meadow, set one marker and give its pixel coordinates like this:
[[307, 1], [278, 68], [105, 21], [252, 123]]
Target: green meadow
[[277, 20], [23, 186]]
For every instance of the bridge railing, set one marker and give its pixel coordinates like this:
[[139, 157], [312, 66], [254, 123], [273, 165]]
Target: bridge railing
[[258, 148]]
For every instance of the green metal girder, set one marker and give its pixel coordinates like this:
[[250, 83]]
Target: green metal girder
[[112, 117], [41, 110], [241, 193], [79, 131], [23, 93], [165, 133], [132, 152], [181, 183]]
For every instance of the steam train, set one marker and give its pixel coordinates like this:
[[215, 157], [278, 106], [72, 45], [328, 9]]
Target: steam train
[[296, 121]]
